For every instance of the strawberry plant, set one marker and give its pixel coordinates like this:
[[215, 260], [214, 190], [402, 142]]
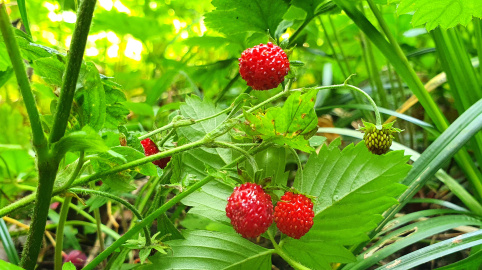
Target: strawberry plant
[[133, 140]]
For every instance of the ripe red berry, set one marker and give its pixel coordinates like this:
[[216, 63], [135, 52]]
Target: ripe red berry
[[294, 214], [250, 210], [150, 148], [264, 67]]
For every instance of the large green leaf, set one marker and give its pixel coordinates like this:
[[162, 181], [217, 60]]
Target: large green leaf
[[443, 13], [287, 124], [353, 187], [233, 17], [212, 250]]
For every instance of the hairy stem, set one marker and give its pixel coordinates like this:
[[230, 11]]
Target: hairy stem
[[71, 74]]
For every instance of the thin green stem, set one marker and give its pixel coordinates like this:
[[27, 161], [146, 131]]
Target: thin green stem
[[478, 34], [328, 40], [98, 223], [299, 30], [351, 87], [72, 70], [150, 218], [343, 55], [227, 87], [76, 172], [375, 76], [286, 257], [59, 241], [22, 79], [183, 123], [164, 140], [119, 200]]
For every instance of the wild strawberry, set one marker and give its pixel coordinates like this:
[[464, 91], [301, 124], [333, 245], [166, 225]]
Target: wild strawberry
[[378, 140], [150, 148], [264, 67], [250, 210], [294, 214]]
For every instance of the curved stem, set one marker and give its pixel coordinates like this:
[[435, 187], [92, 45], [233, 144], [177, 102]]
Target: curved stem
[[119, 200], [22, 79], [182, 123], [76, 172], [351, 87], [285, 256], [72, 70], [59, 241], [150, 218]]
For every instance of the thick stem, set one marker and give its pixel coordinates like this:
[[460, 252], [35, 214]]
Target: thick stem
[[22, 79], [59, 240], [71, 74], [47, 168]]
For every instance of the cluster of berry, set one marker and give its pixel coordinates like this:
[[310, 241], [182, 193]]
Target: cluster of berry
[[251, 212]]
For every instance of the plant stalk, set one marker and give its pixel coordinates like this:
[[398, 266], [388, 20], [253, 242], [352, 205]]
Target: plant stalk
[[59, 240], [71, 74], [22, 79]]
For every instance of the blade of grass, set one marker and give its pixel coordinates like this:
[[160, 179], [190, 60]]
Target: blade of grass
[[438, 250], [7, 242], [23, 13], [408, 235]]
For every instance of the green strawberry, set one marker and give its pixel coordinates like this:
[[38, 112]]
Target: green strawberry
[[378, 139]]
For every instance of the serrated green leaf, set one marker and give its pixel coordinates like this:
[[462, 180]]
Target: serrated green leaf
[[287, 124], [90, 95], [51, 69], [353, 187], [443, 13], [212, 250], [233, 17], [68, 266]]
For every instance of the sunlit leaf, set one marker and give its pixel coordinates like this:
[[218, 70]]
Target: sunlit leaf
[[443, 13]]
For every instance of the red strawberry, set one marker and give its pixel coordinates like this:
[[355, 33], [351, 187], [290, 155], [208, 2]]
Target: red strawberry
[[150, 148], [250, 210], [264, 67], [294, 214]]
